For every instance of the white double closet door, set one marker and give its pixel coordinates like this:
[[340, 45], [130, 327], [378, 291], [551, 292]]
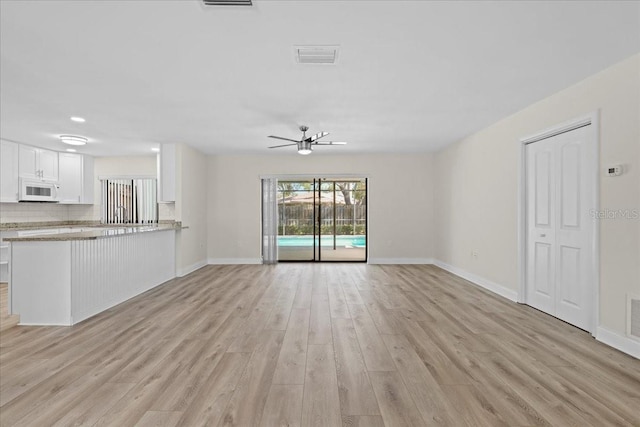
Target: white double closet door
[[560, 193]]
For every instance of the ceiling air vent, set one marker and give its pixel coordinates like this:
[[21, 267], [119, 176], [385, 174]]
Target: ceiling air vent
[[316, 54], [227, 2]]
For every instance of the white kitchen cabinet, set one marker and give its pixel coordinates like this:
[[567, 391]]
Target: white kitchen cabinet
[[9, 183], [88, 180], [38, 163], [167, 173], [29, 165], [49, 165], [76, 179], [70, 190]]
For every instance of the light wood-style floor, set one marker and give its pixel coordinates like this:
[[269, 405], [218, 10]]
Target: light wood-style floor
[[316, 345]]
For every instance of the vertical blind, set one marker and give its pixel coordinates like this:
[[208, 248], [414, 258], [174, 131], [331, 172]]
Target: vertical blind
[[269, 221], [129, 201]]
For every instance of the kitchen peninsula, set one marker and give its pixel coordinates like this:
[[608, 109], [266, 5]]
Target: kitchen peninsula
[[62, 279]]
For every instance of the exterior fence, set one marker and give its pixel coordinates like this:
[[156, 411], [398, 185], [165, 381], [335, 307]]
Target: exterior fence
[[298, 219]]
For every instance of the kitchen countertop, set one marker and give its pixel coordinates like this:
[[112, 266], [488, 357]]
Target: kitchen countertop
[[21, 226], [11, 226], [99, 233]]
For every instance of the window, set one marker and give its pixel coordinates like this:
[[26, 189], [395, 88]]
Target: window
[[129, 201]]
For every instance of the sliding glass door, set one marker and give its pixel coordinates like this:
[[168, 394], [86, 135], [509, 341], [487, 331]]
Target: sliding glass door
[[296, 224], [322, 219]]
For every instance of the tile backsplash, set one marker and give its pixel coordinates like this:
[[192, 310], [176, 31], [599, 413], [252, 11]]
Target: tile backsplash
[[40, 212], [84, 212], [46, 212]]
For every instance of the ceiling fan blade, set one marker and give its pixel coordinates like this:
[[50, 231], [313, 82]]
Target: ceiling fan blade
[[330, 143], [284, 145], [317, 136], [284, 139]]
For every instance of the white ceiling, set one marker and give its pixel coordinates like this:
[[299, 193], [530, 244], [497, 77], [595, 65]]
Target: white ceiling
[[411, 76]]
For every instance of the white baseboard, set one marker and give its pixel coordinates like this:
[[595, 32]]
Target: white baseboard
[[222, 261], [619, 342], [42, 324], [480, 281], [190, 268], [400, 261]]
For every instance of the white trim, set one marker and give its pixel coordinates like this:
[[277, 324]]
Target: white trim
[[181, 272], [282, 176], [567, 126], [44, 324], [224, 261], [619, 342], [496, 288], [631, 297], [595, 249], [400, 261], [592, 119], [522, 227], [132, 176]]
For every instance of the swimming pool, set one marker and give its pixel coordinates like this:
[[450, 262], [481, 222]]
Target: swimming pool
[[307, 241]]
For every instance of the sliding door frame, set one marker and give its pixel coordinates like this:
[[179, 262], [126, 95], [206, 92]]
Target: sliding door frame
[[317, 177]]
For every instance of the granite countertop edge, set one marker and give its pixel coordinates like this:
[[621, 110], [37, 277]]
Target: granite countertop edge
[[21, 226], [108, 231]]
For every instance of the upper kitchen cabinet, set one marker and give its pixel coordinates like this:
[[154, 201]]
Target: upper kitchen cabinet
[[76, 179], [9, 184], [167, 173], [37, 163]]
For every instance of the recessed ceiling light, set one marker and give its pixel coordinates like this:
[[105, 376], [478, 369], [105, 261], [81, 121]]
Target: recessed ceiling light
[[156, 149], [78, 119], [73, 139], [71, 150]]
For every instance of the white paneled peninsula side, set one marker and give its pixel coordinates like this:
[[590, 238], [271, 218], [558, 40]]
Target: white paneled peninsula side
[[62, 279]]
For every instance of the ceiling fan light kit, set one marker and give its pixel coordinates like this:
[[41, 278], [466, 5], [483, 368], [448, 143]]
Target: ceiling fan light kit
[[305, 145], [304, 148]]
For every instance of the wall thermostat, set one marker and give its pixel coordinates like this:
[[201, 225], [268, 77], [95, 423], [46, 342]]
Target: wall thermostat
[[614, 170]]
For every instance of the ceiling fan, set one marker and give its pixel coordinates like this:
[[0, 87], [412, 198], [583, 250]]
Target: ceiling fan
[[305, 145]]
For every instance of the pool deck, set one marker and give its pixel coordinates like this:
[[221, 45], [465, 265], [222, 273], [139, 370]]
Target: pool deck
[[297, 253]]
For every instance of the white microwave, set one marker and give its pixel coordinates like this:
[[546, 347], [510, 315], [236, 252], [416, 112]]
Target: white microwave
[[38, 191]]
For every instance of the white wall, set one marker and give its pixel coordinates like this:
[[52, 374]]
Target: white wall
[[191, 209], [477, 186], [105, 167], [145, 166], [400, 201], [109, 167]]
